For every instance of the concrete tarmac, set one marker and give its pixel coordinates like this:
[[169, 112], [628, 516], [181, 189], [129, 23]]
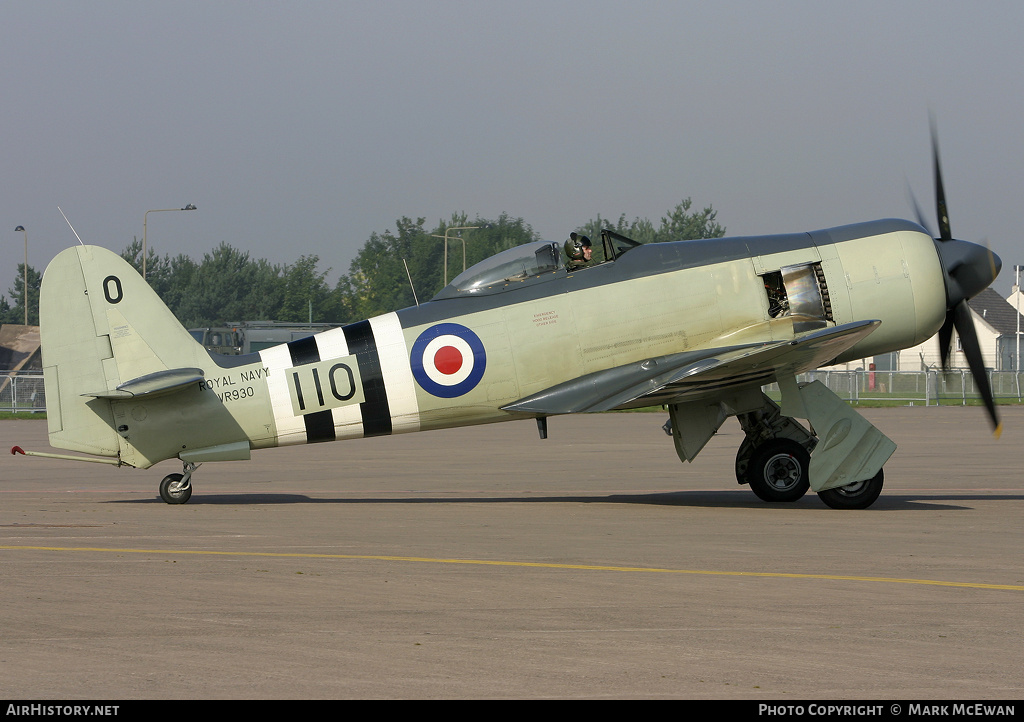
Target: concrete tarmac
[[486, 563]]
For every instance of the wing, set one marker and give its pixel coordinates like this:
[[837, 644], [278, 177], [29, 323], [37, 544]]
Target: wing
[[674, 378]]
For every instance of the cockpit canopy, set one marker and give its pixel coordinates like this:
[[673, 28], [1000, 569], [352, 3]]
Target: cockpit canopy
[[514, 265], [530, 263]]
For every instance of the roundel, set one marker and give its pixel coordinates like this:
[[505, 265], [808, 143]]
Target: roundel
[[448, 360]]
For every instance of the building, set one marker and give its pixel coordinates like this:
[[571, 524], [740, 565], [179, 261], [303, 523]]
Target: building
[[996, 323], [19, 348]]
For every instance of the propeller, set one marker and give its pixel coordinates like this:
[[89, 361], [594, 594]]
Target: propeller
[[968, 269]]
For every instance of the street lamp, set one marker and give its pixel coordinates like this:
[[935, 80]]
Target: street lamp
[[1016, 357], [445, 237], [25, 281], [189, 207]]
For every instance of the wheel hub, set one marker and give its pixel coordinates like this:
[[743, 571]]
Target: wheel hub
[[782, 471], [852, 489]]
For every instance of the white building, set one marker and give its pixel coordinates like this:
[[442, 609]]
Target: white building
[[996, 323]]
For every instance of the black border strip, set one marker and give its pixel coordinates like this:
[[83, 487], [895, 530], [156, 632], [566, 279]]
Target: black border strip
[[375, 409], [319, 425]]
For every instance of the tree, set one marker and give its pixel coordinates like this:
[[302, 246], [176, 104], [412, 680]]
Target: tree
[[181, 272], [5, 312], [306, 295], [678, 225], [228, 286], [681, 225], [167, 277], [16, 313], [156, 267], [377, 281]]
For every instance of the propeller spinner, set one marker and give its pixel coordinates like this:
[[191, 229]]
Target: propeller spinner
[[968, 269]]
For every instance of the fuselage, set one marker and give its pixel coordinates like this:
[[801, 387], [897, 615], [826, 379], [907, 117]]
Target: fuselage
[[460, 358], [521, 336]]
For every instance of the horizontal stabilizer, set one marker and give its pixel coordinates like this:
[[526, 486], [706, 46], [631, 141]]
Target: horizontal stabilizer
[[673, 378], [155, 384]]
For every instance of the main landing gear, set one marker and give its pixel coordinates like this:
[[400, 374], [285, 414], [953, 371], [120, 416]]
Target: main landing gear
[[177, 488], [778, 472], [775, 457]]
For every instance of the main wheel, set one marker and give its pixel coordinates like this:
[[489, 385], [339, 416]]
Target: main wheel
[[778, 471], [858, 495], [172, 491]]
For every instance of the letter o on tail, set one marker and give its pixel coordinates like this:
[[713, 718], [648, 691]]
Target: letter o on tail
[[112, 289]]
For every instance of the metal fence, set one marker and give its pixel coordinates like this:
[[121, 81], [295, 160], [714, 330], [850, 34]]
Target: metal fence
[[927, 388], [24, 392]]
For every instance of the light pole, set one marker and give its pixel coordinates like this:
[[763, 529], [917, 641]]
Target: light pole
[[445, 237], [189, 207], [1016, 270], [25, 280]]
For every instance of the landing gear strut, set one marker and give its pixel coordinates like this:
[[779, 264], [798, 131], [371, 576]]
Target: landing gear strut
[[177, 488]]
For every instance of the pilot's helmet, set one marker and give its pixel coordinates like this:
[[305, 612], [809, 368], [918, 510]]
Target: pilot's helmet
[[575, 245]]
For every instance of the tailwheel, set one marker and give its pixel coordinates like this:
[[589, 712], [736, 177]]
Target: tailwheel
[[175, 489], [858, 495], [778, 471]]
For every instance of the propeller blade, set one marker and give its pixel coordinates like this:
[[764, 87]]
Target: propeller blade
[[946, 340], [921, 221], [968, 269], [945, 232], [972, 350]]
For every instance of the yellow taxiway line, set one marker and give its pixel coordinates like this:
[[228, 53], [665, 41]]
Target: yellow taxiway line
[[535, 565]]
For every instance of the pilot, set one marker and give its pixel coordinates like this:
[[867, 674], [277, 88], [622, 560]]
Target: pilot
[[579, 250]]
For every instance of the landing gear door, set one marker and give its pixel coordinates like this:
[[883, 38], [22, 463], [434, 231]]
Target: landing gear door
[[850, 448]]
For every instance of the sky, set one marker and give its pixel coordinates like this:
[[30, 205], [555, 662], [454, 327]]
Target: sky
[[301, 128]]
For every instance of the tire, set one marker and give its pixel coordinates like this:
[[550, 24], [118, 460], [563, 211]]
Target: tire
[[778, 471], [858, 495], [170, 491]]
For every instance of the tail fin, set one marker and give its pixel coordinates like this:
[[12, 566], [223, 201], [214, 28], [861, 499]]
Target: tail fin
[[102, 327]]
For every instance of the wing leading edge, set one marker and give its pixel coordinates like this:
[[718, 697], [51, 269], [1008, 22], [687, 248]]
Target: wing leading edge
[[677, 377]]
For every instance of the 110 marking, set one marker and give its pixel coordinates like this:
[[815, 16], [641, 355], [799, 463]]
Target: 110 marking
[[324, 385]]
